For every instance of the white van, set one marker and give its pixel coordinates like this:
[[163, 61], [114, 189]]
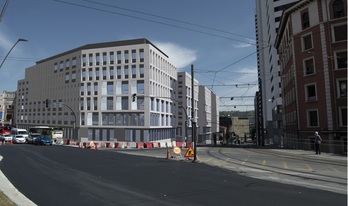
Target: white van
[[16, 131]]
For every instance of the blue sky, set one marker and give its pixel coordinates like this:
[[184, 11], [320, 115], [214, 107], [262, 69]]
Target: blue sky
[[217, 37]]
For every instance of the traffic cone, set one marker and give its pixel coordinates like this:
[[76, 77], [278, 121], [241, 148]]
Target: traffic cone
[[168, 153]]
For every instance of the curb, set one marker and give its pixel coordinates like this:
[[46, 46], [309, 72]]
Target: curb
[[11, 192]]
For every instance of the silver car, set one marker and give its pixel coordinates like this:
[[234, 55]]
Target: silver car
[[19, 139]]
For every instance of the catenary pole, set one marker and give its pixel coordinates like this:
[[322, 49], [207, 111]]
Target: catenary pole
[[194, 131]]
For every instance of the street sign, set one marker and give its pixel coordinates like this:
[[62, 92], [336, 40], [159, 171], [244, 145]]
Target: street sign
[[189, 152], [177, 150]]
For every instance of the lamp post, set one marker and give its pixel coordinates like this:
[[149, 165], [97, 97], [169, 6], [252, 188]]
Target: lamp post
[[11, 50]]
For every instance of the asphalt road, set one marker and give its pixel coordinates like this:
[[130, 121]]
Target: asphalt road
[[57, 175]]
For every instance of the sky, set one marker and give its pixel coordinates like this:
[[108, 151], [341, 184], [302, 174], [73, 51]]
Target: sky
[[217, 37]]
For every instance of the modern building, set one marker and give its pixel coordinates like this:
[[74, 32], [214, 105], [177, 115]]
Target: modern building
[[312, 45], [268, 14], [7, 100], [184, 88], [114, 91]]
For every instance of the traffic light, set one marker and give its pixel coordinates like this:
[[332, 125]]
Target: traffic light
[[47, 101], [134, 96]]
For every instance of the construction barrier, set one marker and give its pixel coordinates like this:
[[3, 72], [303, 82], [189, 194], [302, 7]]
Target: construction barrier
[[180, 144], [139, 145], [148, 145], [107, 144], [68, 142], [155, 144]]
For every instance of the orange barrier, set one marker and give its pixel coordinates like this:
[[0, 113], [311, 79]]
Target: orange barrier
[[140, 145], [95, 146], [148, 145], [180, 144]]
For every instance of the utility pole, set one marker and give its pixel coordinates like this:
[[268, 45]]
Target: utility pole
[[194, 131]]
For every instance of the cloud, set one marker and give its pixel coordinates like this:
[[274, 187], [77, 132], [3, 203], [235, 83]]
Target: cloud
[[242, 45], [179, 56]]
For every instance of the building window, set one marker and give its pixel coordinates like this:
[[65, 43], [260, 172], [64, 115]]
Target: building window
[[141, 71], [134, 71], [110, 88], [97, 59], [124, 103], [341, 60], [112, 58], [311, 92], [307, 42], [140, 87], [126, 57], [124, 87], [83, 75], [140, 103], [312, 118], [342, 87], [97, 73], [88, 88], [90, 73], [309, 66], [82, 89], [305, 20], [95, 119], [119, 74], [119, 57], [141, 55], [90, 58], [126, 72], [73, 76], [104, 73], [343, 116], [134, 56], [95, 88], [338, 9], [105, 60], [111, 71], [95, 103], [110, 103], [67, 77], [73, 62], [339, 32], [84, 60]]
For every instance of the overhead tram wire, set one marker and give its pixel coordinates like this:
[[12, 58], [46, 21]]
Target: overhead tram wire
[[171, 19], [152, 21]]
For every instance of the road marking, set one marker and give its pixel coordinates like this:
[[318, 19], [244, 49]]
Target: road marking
[[308, 167], [244, 161], [285, 165], [334, 169], [264, 162]]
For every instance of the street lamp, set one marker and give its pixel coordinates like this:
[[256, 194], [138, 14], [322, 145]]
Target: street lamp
[[11, 50]]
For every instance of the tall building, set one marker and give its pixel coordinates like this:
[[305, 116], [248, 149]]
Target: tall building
[[119, 90], [185, 105], [268, 14], [312, 43]]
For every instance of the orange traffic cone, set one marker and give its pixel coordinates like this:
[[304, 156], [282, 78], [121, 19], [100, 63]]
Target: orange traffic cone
[[168, 153]]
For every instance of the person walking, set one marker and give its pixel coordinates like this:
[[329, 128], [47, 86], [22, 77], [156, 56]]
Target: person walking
[[317, 142]]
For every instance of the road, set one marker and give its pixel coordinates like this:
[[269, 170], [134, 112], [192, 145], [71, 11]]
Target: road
[[57, 175]]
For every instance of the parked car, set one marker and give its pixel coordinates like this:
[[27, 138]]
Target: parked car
[[43, 140], [17, 139], [32, 137], [7, 137]]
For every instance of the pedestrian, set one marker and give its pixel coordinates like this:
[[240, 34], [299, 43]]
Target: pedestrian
[[317, 142], [2, 140]]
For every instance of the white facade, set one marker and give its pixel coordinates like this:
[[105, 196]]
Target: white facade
[[116, 91]]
